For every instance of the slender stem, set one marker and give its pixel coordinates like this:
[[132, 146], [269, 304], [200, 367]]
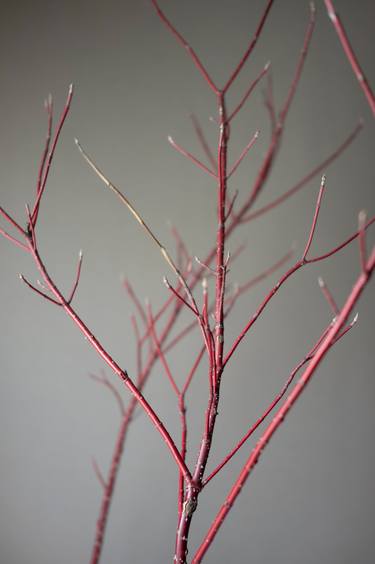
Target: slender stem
[[109, 484], [48, 104], [191, 157], [250, 47], [315, 220], [196, 60], [12, 221], [350, 55], [48, 163], [120, 442], [328, 296], [302, 183], [248, 93], [203, 141], [243, 154], [13, 239]]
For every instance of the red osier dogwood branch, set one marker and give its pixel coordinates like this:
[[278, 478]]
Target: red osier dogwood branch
[[211, 316]]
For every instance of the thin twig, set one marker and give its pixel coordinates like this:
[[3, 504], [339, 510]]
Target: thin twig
[[248, 92], [302, 183], [328, 295], [102, 379], [350, 55], [191, 157], [49, 160], [77, 278], [250, 47], [141, 221], [315, 220], [203, 141], [186, 45], [98, 473], [243, 154]]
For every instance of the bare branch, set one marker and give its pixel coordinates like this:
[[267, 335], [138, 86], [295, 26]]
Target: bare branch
[[186, 45], [350, 55], [191, 157]]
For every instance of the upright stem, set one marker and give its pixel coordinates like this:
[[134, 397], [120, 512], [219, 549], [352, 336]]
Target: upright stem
[[215, 371], [220, 239]]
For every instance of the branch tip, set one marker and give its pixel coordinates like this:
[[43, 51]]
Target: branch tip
[[362, 218], [321, 282], [48, 102]]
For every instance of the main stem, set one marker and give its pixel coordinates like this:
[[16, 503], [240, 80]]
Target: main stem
[[216, 366]]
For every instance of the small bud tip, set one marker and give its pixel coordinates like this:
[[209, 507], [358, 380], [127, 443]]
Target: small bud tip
[[355, 319], [321, 282], [362, 217]]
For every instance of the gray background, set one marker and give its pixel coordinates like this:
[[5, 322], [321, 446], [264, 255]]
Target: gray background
[[311, 498]]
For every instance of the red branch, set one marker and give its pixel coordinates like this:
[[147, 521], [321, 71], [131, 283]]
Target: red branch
[[350, 55], [225, 296]]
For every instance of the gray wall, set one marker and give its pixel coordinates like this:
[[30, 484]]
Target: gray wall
[[311, 497]]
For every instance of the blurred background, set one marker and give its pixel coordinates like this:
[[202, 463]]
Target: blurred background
[[311, 497]]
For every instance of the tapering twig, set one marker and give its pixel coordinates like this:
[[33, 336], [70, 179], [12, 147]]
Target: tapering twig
[[77, 277], [102, 379], [302, 183], [141, 221], [186, 45], [98, 473], [328, 295], [243, 154], [350, 55], [48, 162], [48, 104], [203, 141], [37, 291], [191, 157], [250, 47], [315, 219], [362, 217], [248, 92]]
